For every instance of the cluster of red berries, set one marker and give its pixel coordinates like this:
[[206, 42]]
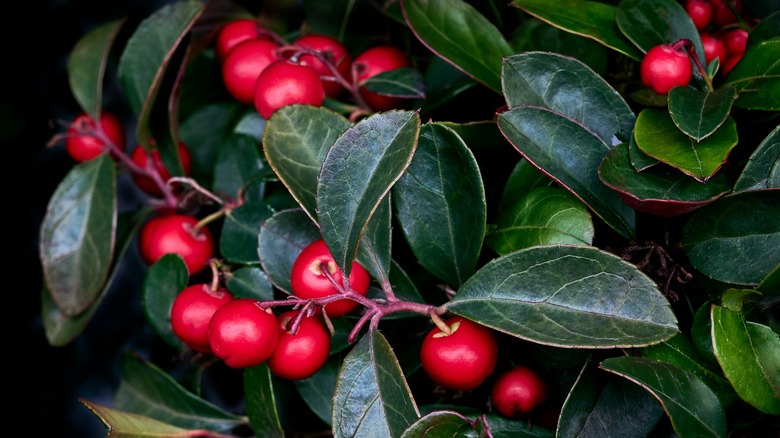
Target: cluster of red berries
[[720, 30], [465, 354], [261, 69]]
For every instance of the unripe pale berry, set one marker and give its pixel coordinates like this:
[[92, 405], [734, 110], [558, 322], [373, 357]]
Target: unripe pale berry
[[663, 68]]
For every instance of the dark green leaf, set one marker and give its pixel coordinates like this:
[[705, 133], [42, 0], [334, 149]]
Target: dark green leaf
[[771, 283], [690, 404], [749, 354], [375, 245], [763, 9], [762, 170], [658, 136], [250, 282], [147, 390], [701, 334], [260, 402], [461, 35], [372, 397], [768, 27], [699, 113], [639, 160], [295, 141], [502, 427], [429, 198], [570, 154], [317, 391], [441, 424], [546, 294], [359, 169], [163, 281], [127, 425], [601, 405], [537, 36], [479, 135], [238, 163], [660, 190], [590, 19], [567, 86], [732, 241], [442, 82], [238, 239], [524, 178], [401, 82], [282, 237], [757, 77], [78, 235], [87, 65], [648, 23], [545, 215]]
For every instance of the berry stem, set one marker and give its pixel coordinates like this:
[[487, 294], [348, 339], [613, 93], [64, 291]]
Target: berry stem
[[687, 45]]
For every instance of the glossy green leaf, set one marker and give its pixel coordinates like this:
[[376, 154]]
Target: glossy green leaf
[[479, 135], [148, 53], [317, 390], [442, 82], [567, 296], [648, 23], [429, 198], [569, 153], [769, 26], [163, 281], [756, 77], [375, 245], [639, 160], [249, 282], [679, 351], [62, 329], [658, 136], [692, 407], [147, 390], [749, 354], [591, 19], [358, 171], [762, 170], [282, 237], [261, 402], [372, 397], [567, 86], [660, 190], [460, 34], [701, 334], [699, 113], [87, 64], [77, 236], [602, 405], [732, 241], [296, 140], [441, 424], [238, 239], [546, 215], [502, 427], [524, 178], [403, 82], [128, 425], [538, 36], [771, 283], [237, 165]]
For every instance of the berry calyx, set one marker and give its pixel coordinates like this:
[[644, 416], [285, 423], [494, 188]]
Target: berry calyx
[[242, 333], [664, 67], [176, 234], [335, 52], [140, 157], [518, 392], [84, 143], [462, 359], [301, 354], [373, 61], [308, 281], [191, 313], [285, 83], [242, 66]]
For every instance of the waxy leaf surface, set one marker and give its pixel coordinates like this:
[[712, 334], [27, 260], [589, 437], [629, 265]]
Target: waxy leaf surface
[[87, 64], [77, 235], [282, 237], [756, 76], [567, 296], [762, 170], [261, 402], [162, 283], [570, 154], [403, 82], [441, 424], [692, 407], [128, 425], [460, 34], [639, 160], [317, 390], [375, 245], [699, 113], [372, 397], [358, 171], [237, 165], [238, 238], [429, 201], [249, 282]]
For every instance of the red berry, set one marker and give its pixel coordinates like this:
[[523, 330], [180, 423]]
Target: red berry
[[714, 47], [285, 83], [244, 64], [664, 68], [736, 41], [332, 49], [700, 12], [731, 61], [242, 333], [234, 32], [461, 360], [722, 13], [176, 234], [518, 392], [84, 143], [191, 312], [300, 355], [308, 280], [376, 60], [140, 157]]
